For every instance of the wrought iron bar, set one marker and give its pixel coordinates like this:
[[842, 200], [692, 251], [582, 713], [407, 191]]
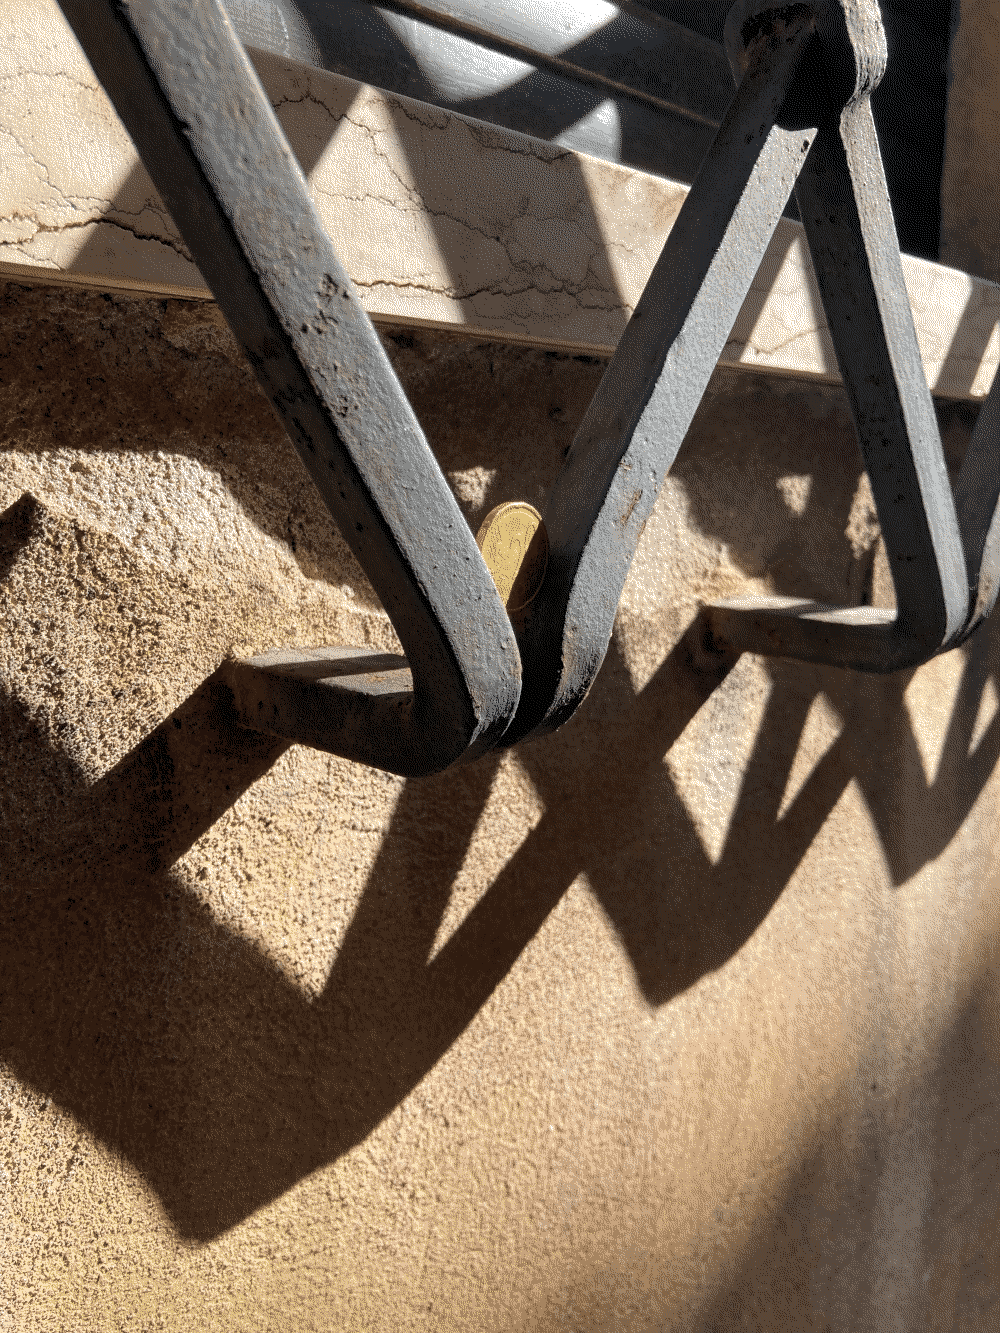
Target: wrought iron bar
[[801, 113], [187, 93], [940, 568], [648, 396], [619, 48], [800, 119]]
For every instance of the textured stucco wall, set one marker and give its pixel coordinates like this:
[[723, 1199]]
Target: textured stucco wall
[[683, 1019]]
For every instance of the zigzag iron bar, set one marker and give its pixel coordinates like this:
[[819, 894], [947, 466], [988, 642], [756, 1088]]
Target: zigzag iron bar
[[189, 97], [848, 221], [185, 90], [793, 122], [655, 381], [944, 552]]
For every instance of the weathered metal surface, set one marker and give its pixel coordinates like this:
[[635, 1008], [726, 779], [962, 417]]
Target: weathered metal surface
[[189, 97], [801, 113], [311, 695], [800, 119], [977, 498], [616, 49], [655, 381], [849, 225]]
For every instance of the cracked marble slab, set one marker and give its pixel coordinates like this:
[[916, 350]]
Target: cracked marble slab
[[442, 221]]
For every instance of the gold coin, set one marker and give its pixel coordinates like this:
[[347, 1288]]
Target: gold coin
[[515, 547]]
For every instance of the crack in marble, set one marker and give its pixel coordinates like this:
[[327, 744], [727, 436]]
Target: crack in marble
[[554, 248], [105, 220], [50, 74]]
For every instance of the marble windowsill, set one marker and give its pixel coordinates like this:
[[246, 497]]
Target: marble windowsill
[[442, 221]]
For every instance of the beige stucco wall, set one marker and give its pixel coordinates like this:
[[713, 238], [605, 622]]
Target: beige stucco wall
[[683, 1019]]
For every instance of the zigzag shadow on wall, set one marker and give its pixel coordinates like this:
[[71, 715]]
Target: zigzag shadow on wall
[[182, 1046], [185, 1049]]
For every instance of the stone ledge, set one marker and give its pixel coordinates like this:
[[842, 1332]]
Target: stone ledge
[[442, 221]]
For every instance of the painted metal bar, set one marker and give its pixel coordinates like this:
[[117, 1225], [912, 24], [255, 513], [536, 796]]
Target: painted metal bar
[[977, 498], [849, 225], [619, 48], [186, 91], [650, 392], [801, 112]]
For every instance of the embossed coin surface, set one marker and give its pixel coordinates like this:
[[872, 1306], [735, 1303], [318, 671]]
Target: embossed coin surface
[[515, 547]]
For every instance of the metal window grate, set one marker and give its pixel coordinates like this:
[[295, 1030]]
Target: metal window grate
[[800, 120]]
